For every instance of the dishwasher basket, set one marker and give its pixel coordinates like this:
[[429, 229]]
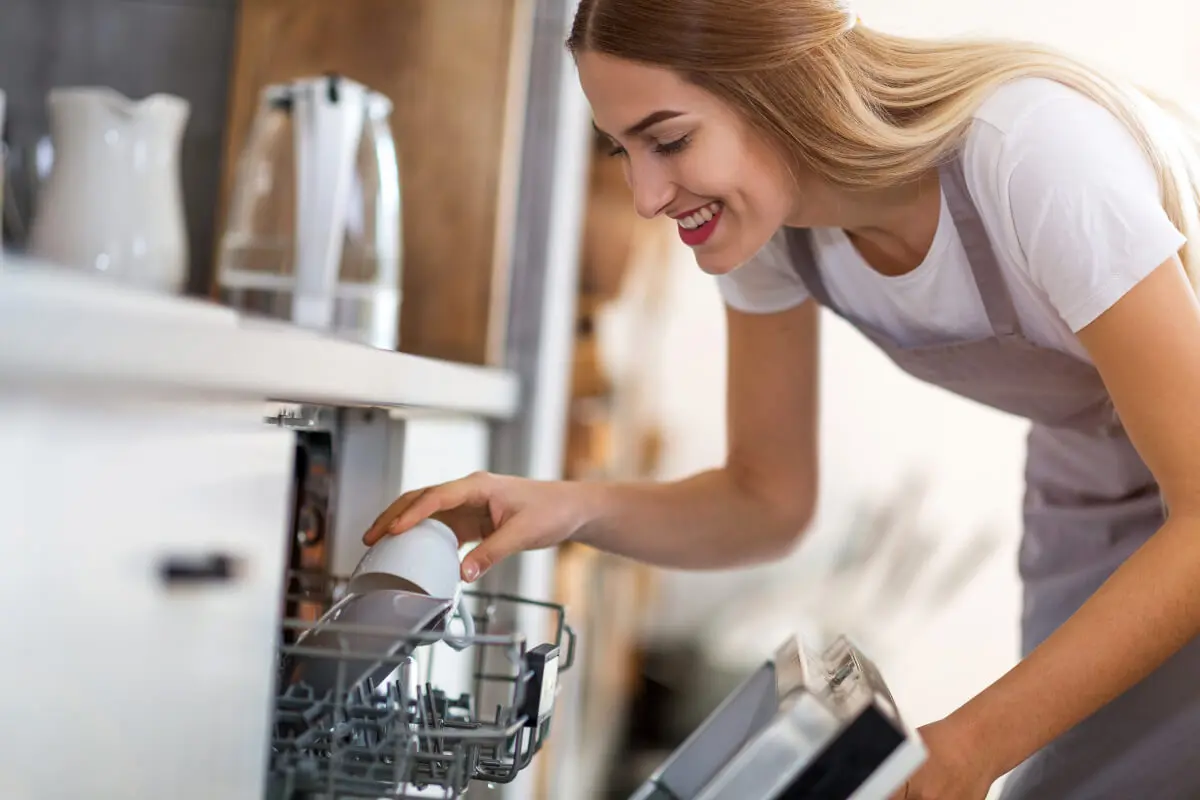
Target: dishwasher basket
[[407, 738]]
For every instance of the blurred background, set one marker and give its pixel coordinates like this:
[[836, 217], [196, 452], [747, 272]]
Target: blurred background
[[912, 551]]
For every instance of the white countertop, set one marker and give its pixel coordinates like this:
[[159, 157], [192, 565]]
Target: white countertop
[[67, 327]]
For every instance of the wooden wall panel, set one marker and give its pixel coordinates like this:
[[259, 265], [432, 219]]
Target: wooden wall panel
[[448, 67]]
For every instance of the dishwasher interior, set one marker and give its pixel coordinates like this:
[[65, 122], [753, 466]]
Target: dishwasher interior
[[442, 718]]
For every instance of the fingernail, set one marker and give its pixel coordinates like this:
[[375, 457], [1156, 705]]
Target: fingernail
[[470, 572]]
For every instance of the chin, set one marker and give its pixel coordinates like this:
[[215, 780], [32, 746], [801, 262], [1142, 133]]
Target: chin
[[717, 262]]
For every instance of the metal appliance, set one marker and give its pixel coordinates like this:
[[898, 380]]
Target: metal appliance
[[314, 230], [803, 726]]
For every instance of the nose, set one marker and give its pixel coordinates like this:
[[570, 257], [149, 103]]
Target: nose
[[652, 190]]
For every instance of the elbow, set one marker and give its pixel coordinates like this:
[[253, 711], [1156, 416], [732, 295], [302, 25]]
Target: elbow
[[785, 510], [790, 521]]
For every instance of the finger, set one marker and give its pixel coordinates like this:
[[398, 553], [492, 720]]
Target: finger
[[380, 525], [465, 529], [507, 540], [471, 489]]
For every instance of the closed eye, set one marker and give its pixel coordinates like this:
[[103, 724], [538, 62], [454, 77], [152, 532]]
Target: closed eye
[[671, 148], [665, 148]]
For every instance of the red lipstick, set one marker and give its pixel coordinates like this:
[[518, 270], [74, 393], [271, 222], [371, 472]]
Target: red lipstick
[[694, 237]]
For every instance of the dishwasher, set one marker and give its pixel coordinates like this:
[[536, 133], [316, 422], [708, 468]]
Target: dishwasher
[[425, 730], [163, 550]]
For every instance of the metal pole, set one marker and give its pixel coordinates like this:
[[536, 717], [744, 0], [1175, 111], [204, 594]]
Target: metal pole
[[544, 276]]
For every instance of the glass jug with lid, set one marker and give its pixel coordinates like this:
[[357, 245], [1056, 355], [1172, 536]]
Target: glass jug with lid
[[314, 230]]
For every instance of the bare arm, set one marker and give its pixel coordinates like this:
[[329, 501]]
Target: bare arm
[[756, 505], [1147, 348]]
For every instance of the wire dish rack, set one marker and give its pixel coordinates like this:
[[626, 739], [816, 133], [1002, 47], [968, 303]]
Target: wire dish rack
[[405, 737]]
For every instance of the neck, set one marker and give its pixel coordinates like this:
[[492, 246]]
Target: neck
[[892, 227]]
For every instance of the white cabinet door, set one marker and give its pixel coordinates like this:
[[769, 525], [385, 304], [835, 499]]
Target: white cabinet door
[[141, 565]]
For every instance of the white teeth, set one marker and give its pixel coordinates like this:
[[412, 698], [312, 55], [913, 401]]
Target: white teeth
[[705, 214]]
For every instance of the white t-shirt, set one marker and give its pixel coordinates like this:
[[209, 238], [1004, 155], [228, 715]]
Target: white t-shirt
[[1071, 209]]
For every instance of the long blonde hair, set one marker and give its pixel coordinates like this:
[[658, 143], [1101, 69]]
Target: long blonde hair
[[862, 108]]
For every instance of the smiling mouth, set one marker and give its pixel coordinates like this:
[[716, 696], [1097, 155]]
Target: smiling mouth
[[700, 216], [697, 226]]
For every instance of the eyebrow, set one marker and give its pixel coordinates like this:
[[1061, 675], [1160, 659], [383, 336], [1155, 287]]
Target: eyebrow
[[647, 121]]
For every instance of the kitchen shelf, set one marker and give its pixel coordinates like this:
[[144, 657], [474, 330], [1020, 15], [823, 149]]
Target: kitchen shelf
[[64, 326]]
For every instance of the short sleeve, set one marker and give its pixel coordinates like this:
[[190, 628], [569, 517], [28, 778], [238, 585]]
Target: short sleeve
[[1085, 206], [766, 283]]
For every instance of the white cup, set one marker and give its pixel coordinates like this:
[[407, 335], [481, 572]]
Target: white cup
[[423, 560], [405, 584]]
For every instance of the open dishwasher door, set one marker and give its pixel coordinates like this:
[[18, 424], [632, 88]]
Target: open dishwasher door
[[801, 727]]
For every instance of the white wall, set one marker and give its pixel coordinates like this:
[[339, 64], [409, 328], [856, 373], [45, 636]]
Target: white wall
[[878, 424]]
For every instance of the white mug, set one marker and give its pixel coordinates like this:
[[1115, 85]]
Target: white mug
[[424, 560], [405, 584]]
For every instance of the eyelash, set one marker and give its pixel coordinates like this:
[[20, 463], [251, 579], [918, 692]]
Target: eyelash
[[666, 148]]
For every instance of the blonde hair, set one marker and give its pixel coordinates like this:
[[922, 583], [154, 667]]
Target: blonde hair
[[862, 108]]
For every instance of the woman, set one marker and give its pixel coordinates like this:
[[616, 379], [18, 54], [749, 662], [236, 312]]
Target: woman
[[1002, 223]]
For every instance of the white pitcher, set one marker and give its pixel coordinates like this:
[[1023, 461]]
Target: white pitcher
[[113, 201]]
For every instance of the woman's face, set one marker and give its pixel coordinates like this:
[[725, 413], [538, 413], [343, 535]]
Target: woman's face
[[689, 156]]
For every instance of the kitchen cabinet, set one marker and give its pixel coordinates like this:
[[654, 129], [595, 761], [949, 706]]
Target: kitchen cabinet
[[141, 569]]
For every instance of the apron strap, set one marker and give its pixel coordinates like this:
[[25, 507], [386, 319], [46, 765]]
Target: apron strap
[[804, 262], [993, 289]]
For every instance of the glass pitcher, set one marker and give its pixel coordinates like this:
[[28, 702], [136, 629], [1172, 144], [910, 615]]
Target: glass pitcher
[[314, 229]]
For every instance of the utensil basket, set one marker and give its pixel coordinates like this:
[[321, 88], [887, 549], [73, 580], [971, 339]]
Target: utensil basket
[[407, 738]]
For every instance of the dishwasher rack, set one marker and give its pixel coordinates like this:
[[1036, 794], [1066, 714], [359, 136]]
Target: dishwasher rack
[[407, 738]]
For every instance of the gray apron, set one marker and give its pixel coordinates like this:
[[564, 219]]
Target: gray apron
[[1090, 501]]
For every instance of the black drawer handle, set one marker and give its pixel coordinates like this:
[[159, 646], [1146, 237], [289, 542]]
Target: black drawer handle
[[215, 568]]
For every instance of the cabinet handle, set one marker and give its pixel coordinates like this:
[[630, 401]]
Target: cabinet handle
[[215, 568]]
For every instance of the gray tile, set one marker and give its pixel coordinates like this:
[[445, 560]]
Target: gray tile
[[79, 43], [201, 168], [225, 4], [27, 42], [136, 48], [183, 50]]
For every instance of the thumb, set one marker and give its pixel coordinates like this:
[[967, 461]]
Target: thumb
[[504, 542]]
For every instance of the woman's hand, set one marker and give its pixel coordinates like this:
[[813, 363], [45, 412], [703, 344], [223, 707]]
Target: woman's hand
[[956, 769], [506, 514]]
